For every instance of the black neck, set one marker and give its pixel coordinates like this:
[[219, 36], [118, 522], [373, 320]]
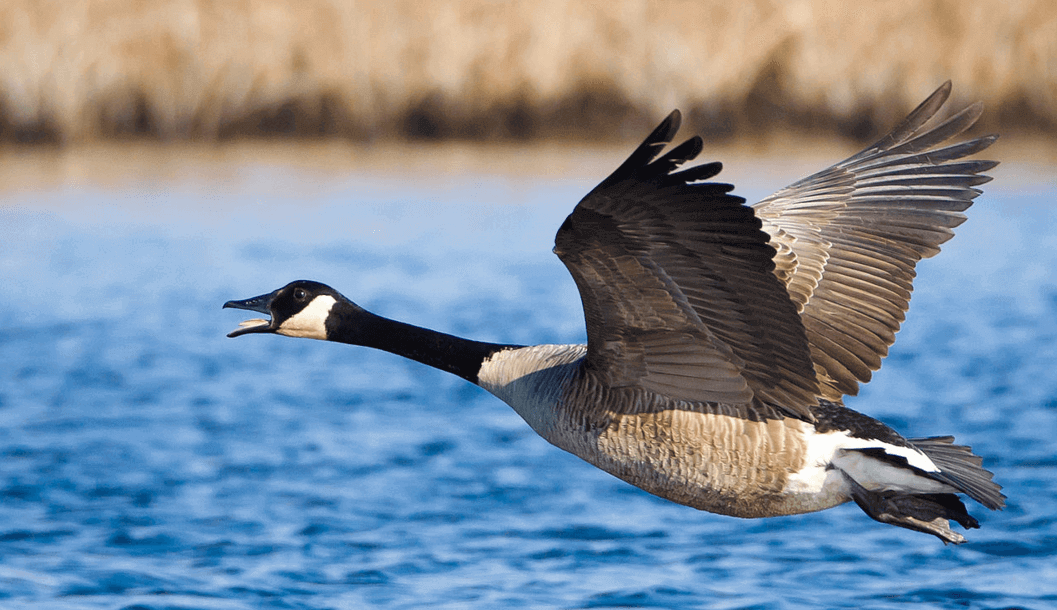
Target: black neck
[[351, 324]]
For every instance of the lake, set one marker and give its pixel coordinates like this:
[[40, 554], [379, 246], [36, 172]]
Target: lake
[[149, 462]]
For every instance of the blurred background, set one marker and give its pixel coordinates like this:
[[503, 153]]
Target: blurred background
[[215, 70], [160, 158]]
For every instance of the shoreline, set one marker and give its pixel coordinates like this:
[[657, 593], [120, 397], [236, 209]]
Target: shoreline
[[103, 165]]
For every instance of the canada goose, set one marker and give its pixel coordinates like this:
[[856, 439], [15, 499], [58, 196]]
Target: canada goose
[[721, 338]]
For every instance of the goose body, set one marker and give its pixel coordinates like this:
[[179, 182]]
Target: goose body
[[723, 337]]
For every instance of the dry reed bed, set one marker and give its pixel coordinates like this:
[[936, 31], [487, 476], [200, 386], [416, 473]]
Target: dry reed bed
[[585, 69]]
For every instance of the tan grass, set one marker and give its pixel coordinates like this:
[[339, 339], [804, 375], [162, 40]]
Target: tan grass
[[586, 69]]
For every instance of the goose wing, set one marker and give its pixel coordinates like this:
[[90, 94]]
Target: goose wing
[[848, 238], [679, 288]]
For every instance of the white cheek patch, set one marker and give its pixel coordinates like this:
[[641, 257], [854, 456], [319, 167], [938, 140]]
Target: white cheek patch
[[310, 322]]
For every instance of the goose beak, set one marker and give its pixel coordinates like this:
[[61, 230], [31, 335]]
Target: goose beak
[[261, 304]]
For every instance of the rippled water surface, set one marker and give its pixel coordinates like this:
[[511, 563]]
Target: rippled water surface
[[149, 462]]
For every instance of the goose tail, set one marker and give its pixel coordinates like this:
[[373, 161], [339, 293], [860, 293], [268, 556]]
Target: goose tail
[[932, 513], [961, 468]]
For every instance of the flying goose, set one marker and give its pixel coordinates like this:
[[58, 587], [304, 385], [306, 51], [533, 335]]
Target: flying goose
[[721, 338]]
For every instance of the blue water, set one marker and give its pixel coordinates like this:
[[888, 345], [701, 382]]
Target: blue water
[[148, 462]]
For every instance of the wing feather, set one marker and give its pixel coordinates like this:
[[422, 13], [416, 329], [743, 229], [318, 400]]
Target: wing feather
[[678, 286], [847, 239]]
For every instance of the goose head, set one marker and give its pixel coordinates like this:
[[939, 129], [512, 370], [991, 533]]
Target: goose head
[[299, 309]]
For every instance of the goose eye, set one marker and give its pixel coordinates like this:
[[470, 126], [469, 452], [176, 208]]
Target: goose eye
[[300, 294]]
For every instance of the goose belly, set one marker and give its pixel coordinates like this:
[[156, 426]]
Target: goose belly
[[713, 461]]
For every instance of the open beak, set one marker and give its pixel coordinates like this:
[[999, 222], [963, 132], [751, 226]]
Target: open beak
[[261, 304]]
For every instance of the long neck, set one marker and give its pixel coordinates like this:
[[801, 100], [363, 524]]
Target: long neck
[[462, 357]]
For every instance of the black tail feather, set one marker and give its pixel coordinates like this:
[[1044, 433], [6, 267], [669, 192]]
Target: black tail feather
[[961, 469]]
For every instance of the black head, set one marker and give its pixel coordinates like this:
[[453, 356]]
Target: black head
[[299, 309]]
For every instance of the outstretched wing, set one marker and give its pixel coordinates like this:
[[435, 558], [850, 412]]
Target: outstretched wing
[[848, 238], [679, 288]]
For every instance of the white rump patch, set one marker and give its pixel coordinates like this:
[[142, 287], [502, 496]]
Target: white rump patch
[[878, 475], [310, 322], [831, 453]]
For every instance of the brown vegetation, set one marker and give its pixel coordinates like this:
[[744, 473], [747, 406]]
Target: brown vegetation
[[583, 69]]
